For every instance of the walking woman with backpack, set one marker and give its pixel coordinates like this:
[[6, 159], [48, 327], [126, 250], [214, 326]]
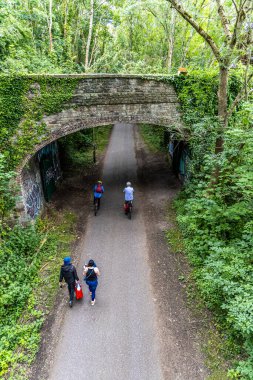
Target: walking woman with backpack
[[91, 273]]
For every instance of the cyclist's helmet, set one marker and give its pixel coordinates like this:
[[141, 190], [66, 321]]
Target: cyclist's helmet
[[99, 181], [128, 183]]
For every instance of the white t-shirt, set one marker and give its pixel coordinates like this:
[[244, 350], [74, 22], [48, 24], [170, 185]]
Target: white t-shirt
[[129, 193]]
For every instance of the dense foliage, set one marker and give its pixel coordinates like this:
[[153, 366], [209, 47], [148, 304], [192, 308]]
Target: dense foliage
[[215, 212], [215, 216], [78, 151], [156, 137], [126, 36], [24, 249], [25, 294]]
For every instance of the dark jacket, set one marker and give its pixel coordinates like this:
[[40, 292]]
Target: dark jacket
[[68, 272]]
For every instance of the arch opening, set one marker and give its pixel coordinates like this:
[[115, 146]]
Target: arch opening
[[43, 171]]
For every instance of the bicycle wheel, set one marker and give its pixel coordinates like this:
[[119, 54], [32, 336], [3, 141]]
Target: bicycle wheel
[[130, 212], [95, 207]]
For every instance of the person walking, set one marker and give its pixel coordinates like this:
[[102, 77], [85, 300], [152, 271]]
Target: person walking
[[69, 274], [91, 273]]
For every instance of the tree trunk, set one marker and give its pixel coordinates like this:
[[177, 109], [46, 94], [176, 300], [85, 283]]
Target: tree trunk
[[171, 39], [65, 20], [89, 35], [76, 49], [50, 24], [223, 94], [185, 47], [222, 103]]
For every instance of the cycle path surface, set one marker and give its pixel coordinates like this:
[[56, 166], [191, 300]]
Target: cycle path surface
[[117, 338]]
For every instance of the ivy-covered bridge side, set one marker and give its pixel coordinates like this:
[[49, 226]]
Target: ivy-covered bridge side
[[37, 110]]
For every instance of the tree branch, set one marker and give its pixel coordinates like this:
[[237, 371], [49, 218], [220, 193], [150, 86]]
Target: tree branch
[[158, 19], [241, 94], [197, 27], [224, 20], [235, 5], [241, 15]]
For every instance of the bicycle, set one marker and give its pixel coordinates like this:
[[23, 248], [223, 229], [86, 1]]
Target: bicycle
[[96, 206], [128, 209]]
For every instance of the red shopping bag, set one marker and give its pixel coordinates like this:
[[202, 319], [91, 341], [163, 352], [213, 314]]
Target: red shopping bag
[[79, 292]]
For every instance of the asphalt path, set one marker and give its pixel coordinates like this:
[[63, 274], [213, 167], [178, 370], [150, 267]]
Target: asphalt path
[[117, 338]]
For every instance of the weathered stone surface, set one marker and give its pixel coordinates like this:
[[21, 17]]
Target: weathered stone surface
[[101, 99], [97, 91]]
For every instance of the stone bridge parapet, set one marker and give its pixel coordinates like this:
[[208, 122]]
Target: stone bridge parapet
[[98, 99], [108, 99]]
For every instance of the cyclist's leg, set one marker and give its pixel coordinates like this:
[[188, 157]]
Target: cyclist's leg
[[98, 200]]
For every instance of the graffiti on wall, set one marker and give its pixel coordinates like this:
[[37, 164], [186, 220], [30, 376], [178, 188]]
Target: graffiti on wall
[[32, 198], [48, 158], [38, 179], [50, 175]]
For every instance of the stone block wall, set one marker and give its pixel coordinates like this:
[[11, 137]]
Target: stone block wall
[[101, 100]]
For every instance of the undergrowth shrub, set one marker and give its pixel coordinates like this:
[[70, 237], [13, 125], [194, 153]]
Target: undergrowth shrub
[[23, 250], [215, 213]]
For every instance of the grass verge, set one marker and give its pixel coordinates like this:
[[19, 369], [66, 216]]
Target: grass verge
[[154, 137]]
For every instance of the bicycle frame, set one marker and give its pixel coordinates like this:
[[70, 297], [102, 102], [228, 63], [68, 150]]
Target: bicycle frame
[[129, 208]]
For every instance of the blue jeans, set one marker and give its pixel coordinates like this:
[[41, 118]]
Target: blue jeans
[[92, 287]]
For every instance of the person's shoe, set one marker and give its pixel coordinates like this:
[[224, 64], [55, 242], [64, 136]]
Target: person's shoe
[[70, 303], [93, 303]]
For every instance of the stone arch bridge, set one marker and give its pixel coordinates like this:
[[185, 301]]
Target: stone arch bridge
[[99, 99]]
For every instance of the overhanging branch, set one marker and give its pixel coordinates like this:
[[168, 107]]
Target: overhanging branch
[[197, 27], [224, 20]]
